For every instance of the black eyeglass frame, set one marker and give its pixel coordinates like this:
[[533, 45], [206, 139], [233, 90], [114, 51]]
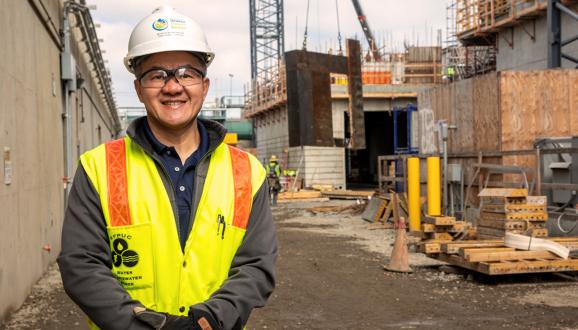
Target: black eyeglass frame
[[170, 74]]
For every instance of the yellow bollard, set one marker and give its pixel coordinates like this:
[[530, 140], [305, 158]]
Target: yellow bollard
[[413, 193], [433, 186]]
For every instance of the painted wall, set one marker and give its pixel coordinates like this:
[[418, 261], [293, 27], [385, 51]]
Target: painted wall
[[32, 145]]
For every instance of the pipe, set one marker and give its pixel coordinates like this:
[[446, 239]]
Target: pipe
[[445, 177], [86, 25], [433, 186], [89, 36], [67, 113], [413, 193]]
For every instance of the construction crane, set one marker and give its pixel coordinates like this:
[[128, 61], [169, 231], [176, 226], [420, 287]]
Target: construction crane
[[366, 30]]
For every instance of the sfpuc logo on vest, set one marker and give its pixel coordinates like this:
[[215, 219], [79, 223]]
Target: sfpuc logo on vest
[[121, 255]]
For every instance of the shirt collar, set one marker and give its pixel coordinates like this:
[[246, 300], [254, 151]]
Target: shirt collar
[[160, 148]]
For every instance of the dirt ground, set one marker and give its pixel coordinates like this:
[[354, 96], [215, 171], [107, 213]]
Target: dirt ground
[[330, 276]]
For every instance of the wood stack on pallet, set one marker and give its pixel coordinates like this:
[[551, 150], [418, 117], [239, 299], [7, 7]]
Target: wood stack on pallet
[[444, 228], [492, 257], [511, 210]]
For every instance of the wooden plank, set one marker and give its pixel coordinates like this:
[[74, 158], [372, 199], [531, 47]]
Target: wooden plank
[[564, 239], [503, 192], [527, 266], [440, 221], [457, 227], [303, 194], [530, 216], [514, 208], [454, 247], [467, 252], [429, 248], [346, 193], [387, 213], [440, 236], [510, 255], [535, 232], [510, 224]]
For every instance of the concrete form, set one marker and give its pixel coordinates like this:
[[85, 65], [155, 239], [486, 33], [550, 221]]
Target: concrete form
[[32, 143]]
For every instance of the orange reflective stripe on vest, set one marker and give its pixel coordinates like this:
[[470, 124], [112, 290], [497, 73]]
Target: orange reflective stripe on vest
[[117, 183], [118, 189], [242, 180]]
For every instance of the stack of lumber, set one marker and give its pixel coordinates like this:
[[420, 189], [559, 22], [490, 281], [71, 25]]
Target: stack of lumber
[[444, 228], [347, 194], [302, 194], [492, 257], [511, 210]]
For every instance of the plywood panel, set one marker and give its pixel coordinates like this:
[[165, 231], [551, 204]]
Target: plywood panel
[[463, 137], [572, 81], [536, 104], [486, 109]]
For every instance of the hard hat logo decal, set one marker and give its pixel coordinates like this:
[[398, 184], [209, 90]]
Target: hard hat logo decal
[[160, 24]]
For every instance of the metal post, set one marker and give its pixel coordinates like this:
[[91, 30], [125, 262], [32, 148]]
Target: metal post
[[554, 35]]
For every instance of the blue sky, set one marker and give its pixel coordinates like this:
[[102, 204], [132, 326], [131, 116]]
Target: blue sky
[[226, 24]]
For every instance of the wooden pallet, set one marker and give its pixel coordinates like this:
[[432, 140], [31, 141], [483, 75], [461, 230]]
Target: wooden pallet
[[492, 257]]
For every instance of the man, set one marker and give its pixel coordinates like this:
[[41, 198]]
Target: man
[[169, 228], [273, 173]]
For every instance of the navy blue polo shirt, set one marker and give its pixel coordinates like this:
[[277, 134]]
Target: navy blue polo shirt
[[182, 175]]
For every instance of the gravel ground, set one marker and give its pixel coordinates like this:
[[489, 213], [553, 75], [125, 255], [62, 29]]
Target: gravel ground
[[330, 276]]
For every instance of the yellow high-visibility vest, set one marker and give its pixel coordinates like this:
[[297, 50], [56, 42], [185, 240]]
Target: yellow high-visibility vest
[[147, 257]]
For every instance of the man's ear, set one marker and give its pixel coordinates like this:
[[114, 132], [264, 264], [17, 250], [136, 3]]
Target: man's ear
[[206, 85], [137, 88]]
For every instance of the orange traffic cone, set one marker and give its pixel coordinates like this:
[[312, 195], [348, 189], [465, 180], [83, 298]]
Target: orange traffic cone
[[398, 262]]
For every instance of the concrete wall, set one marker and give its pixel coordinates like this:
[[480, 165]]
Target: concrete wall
[[528, 54], [319, 165], [272, 134], [31, 132]]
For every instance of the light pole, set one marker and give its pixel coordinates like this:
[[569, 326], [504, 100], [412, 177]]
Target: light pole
[[230, 86]]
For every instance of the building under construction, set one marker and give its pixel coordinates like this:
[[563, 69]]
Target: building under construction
[[57, 102], [333, 129]]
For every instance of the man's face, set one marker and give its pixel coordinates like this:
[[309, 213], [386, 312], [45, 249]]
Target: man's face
[[172, 107]]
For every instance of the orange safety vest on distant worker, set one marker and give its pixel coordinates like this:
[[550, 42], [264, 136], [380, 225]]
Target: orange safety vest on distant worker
[[147, 257]]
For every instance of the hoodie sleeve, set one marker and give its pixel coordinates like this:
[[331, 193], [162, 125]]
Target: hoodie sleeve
[[85, 261]]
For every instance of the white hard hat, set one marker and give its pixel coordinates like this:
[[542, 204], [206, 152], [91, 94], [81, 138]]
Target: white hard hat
[[166, 30]]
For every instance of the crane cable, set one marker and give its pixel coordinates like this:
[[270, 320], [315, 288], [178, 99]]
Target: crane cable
[[306, 26], [338, 29]]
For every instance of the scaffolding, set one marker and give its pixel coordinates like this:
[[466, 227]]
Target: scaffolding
[[480, 18], [461, 62]]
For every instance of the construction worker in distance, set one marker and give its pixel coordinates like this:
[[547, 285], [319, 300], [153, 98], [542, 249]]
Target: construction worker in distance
[[273, 174], [169, 228]]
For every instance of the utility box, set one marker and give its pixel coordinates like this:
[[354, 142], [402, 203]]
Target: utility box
[[454, 172], [68, 70], [561, 174]]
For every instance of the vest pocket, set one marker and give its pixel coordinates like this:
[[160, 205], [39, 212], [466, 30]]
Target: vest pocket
[[132, 261]]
